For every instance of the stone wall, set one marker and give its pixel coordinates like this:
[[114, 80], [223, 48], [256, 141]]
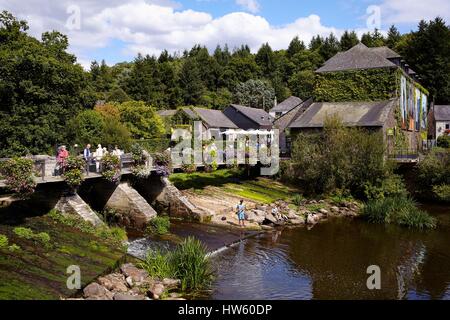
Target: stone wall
[[75, 205], [134, 210]]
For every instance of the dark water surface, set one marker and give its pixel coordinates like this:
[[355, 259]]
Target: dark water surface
[[330, 262]]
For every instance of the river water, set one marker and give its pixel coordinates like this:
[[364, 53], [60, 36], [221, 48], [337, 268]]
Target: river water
[[329, 261]]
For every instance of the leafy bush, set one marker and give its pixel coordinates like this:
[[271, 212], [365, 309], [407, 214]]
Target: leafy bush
[[159, 226], [188, 262], [443, 141], [111, 167], [398, 210], [442, 192], [338, 158], [162, 164], [25, 233], [141, 172], [389, 187], [14, 248], [3, 241], [298, 199], [73, 174], [19, 176], [433, 173], [189, 168]]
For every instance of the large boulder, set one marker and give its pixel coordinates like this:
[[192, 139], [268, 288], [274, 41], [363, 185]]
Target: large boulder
[[113, 282], [125, 296], [94, 291], [136, 274]]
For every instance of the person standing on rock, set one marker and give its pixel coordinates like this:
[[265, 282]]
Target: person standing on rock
[[241, 213]]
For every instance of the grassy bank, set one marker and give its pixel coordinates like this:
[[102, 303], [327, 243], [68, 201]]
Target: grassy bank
[[263, 190], [400, 210], [39, 250]]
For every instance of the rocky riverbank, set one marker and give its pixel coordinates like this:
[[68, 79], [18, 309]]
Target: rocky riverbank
[[131, 283], [221, 205], [310, 212]]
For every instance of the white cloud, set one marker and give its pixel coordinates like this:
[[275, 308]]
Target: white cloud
[[250, 5], [412, 11], [149, 27]]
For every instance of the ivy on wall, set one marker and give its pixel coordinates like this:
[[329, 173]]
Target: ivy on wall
[[356, 85]]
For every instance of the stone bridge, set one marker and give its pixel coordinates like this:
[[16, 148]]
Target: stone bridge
[[135, 201]]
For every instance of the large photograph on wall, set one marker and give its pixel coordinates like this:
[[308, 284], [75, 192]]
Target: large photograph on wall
[[417, 108], [403, 103], [424, 111]]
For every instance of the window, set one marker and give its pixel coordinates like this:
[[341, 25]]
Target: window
[[447, 126]]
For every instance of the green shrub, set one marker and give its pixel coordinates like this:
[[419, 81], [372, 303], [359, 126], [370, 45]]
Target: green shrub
[[158, 226], [391, 186], [443, 141], [442, 192], [398, 210], [73, 172], [338, 158], [119, 234], [158, 264], [433, 172], [188, 262], [24, 233], [298, 200], [111, 167], [18, 173], [14, 248], [3, 241], [192, 266]]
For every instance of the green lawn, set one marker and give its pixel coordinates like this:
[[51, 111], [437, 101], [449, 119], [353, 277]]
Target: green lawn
[[262, 190]]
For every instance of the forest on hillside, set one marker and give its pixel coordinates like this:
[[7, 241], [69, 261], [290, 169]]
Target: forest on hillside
[[46, 98]]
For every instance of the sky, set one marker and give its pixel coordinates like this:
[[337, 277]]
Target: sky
[[117, 30]]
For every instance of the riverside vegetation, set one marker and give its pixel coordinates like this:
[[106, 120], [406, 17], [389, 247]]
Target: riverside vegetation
[[352, 161]]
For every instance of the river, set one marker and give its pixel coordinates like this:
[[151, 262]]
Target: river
[[330, 261]]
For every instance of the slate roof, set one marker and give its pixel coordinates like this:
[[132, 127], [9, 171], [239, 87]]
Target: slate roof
[[441, 113], [358, 57], [357, 114], [167, 113], [215, 118], [386, 52], [287, 105], [259, 116], [285, 120]]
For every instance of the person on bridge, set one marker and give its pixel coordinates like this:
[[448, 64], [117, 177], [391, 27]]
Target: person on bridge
[[61, 158], [98, 157], [241, 213]]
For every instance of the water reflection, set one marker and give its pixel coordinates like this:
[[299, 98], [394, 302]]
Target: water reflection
[[330, 262]]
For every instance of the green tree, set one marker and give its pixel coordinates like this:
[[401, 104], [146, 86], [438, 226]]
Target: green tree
[[329, 47], [41, 89], [393, 37], [141, 120], [348, 40], [191, 84], [295, 47], [302, 84], [256, 94], [265, 59], [86, 127], [428, 52]]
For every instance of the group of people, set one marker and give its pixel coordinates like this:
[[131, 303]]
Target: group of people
[[98, 154], [88, 156]]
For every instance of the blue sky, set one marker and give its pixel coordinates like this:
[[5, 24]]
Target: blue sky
[[116, 30]]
